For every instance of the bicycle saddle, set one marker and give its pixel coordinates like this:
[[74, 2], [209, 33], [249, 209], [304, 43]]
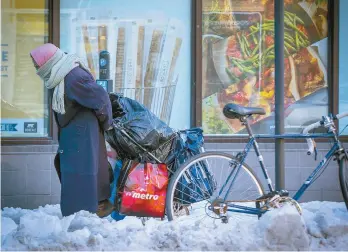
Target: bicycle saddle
[[234, 111]]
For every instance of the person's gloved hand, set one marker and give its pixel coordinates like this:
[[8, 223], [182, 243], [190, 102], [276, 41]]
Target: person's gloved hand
[[117, 109]]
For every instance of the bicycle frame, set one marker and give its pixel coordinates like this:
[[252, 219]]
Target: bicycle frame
[[252, 142]]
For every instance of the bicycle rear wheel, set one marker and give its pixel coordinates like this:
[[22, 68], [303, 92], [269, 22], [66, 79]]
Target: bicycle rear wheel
[[343, 175], [193, 191]]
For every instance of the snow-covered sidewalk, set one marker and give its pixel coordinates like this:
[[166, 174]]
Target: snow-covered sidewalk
[[323, 226]]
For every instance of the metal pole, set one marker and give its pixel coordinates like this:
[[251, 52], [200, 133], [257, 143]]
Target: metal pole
[[279, 92]]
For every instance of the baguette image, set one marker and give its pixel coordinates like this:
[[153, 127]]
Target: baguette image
[[102, 38], [162, 72], [88, 49], [93, 33], [112, 38], [120, 55], [130, 66], [170, 89], [153, 58], [140, 55], [79, 41]]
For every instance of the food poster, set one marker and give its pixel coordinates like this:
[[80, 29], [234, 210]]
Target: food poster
[[141, 56], [238, 63], [162, 82], [91, 42]]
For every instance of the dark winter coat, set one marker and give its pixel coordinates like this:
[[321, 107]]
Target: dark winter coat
[[81, 161]]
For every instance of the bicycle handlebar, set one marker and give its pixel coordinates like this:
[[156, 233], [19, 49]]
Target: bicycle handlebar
[[310, 142], [339, 116]]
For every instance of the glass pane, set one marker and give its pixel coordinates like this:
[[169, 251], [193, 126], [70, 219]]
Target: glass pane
[[343, 66], [24, 109], [143, 47], [238, 63]]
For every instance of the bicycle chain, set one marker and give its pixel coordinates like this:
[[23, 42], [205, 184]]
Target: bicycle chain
[[295, 203], [246, 200]]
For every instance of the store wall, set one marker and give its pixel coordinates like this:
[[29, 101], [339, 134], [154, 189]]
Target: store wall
[[28, 177], [29, 180]]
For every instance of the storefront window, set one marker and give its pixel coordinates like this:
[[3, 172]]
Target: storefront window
[[24, 109], [143, 47], [343, 66], [238, 63]]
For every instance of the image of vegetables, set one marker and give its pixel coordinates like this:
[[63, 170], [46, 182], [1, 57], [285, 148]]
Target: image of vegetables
[[233, 78], [295, 38]]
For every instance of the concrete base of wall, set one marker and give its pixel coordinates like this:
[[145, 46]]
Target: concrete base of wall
[[29, 180], [28, 177]]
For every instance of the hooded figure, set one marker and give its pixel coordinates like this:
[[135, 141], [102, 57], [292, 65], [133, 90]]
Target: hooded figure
[[83, 112]]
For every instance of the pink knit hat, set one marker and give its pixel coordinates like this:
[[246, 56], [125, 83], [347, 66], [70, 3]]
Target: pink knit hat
[[43, 53]]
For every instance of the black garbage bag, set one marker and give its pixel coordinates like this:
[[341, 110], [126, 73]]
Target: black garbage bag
[[140, 125], [122, 105]]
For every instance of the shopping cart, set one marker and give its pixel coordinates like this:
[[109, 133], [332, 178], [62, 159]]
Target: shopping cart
[[159, 100]]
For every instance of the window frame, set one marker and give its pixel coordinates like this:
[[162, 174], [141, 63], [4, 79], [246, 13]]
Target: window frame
[[53, 37], [196, 83], [333, 82]]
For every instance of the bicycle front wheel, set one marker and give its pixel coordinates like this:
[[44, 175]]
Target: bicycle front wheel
[[343, 175], [208, 180]]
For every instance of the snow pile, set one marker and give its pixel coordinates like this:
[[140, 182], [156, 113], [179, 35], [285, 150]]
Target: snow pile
[[7, 226], [327, 225], [284, 229], [323, 226]]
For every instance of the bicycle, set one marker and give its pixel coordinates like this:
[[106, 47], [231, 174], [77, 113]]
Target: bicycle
[[248, 196]]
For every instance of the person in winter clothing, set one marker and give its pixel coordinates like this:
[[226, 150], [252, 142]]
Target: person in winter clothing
[[82, 111]]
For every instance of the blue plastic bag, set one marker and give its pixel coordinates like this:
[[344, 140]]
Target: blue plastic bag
[[198, 183], [115, 214]]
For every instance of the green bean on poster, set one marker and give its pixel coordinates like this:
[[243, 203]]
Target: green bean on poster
[[253, 33], [254, 52], [231, 75], [288, 16], [303, 42], [296, 29], [287, 53], [289, 38], [254, 38], [290, 41], [246, 40], [242, 68], [297, 42], [295, 17], [242, 46], [287, 45]]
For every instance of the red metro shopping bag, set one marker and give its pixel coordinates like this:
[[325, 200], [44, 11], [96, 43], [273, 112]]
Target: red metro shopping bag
[[145, 190]]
